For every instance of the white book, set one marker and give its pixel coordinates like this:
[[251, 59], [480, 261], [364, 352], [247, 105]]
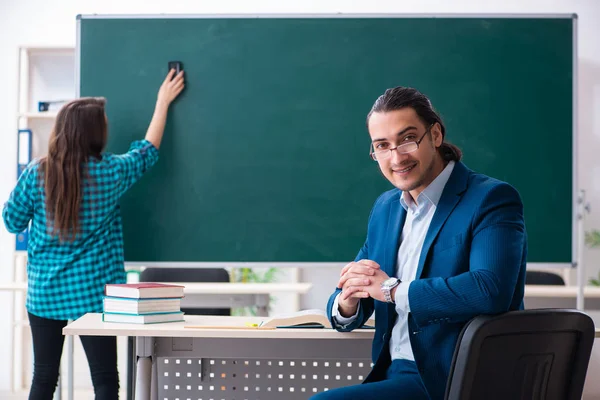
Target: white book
[[141, 306], [143, 290], [142, 318]]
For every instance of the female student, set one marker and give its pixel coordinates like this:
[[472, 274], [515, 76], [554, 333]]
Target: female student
[[71, 196]]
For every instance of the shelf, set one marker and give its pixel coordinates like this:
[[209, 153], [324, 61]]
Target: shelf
[[13, 286], [39, 115], [20, 323], [44, 73], [48, 49]]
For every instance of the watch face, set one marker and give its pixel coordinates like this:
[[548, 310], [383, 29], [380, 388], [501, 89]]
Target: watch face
[[389, 281]]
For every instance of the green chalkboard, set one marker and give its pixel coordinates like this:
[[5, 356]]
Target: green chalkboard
[[265, 155]]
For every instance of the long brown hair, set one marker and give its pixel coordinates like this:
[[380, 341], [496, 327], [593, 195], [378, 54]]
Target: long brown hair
[[79, 134], [401, 97]]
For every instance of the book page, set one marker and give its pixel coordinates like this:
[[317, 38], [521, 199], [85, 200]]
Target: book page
[[297, 318]]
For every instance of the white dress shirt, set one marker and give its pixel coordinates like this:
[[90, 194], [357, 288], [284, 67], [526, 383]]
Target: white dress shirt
[[418, 219]]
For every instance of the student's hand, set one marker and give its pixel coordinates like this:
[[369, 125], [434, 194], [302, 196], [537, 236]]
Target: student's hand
[[354, 278], [170, 89]]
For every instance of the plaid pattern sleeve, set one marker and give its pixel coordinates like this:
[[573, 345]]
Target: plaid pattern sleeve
[[131, 166], [18, 210], [66, 279]]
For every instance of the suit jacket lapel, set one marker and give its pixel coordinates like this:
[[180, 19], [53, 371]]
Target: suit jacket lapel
[[396, 219], [455, 186]]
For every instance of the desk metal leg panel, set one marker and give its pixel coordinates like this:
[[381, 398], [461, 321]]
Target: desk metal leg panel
[[252, 369], [146, 382]]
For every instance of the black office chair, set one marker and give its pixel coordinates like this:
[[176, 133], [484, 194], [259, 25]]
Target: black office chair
[[530, 354], [543, 278], [178, 275]]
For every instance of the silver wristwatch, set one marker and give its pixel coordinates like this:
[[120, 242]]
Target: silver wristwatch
[[386, 288]]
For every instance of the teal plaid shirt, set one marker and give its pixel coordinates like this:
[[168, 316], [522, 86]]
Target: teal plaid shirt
[[66, 280]]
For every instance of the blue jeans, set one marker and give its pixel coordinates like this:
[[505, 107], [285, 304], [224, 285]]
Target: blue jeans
[[48, 340], [402, 382]]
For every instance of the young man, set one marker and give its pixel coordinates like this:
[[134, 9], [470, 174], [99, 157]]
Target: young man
[[445, 246]]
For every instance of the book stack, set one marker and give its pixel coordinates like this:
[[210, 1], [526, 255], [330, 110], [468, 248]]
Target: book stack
[[142, 303]]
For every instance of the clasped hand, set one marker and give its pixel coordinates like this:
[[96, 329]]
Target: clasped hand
[[360, 280]]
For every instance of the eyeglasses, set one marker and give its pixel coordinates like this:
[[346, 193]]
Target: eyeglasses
[[404, 148]]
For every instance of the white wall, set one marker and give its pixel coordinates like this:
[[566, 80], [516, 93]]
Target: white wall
[[42, 22]]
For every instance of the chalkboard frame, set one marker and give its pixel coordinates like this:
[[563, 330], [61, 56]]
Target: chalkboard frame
[[578, 195]]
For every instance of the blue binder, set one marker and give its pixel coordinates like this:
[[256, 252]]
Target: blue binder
[[23, 159]]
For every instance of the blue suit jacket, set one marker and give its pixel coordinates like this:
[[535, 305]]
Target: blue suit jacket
[[472, 263]]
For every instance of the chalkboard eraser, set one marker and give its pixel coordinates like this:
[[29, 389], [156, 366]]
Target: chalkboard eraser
[[177, 66]]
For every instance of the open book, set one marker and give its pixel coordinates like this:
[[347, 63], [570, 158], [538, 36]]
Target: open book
[[313, 318]]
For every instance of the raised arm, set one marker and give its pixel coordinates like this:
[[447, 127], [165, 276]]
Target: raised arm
[[169, 90]]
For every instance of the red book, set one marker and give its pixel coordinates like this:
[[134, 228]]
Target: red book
[[143, 290]]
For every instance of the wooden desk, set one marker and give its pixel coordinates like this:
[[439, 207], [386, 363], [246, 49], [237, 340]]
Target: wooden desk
[[555, 291], [202, 295], [175, 361], [544, 296]]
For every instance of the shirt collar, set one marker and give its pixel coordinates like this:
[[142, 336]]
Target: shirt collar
[[433, 192]]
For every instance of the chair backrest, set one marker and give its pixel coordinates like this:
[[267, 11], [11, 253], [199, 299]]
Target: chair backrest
[[543, 278], [154, 274], [529, 354]]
